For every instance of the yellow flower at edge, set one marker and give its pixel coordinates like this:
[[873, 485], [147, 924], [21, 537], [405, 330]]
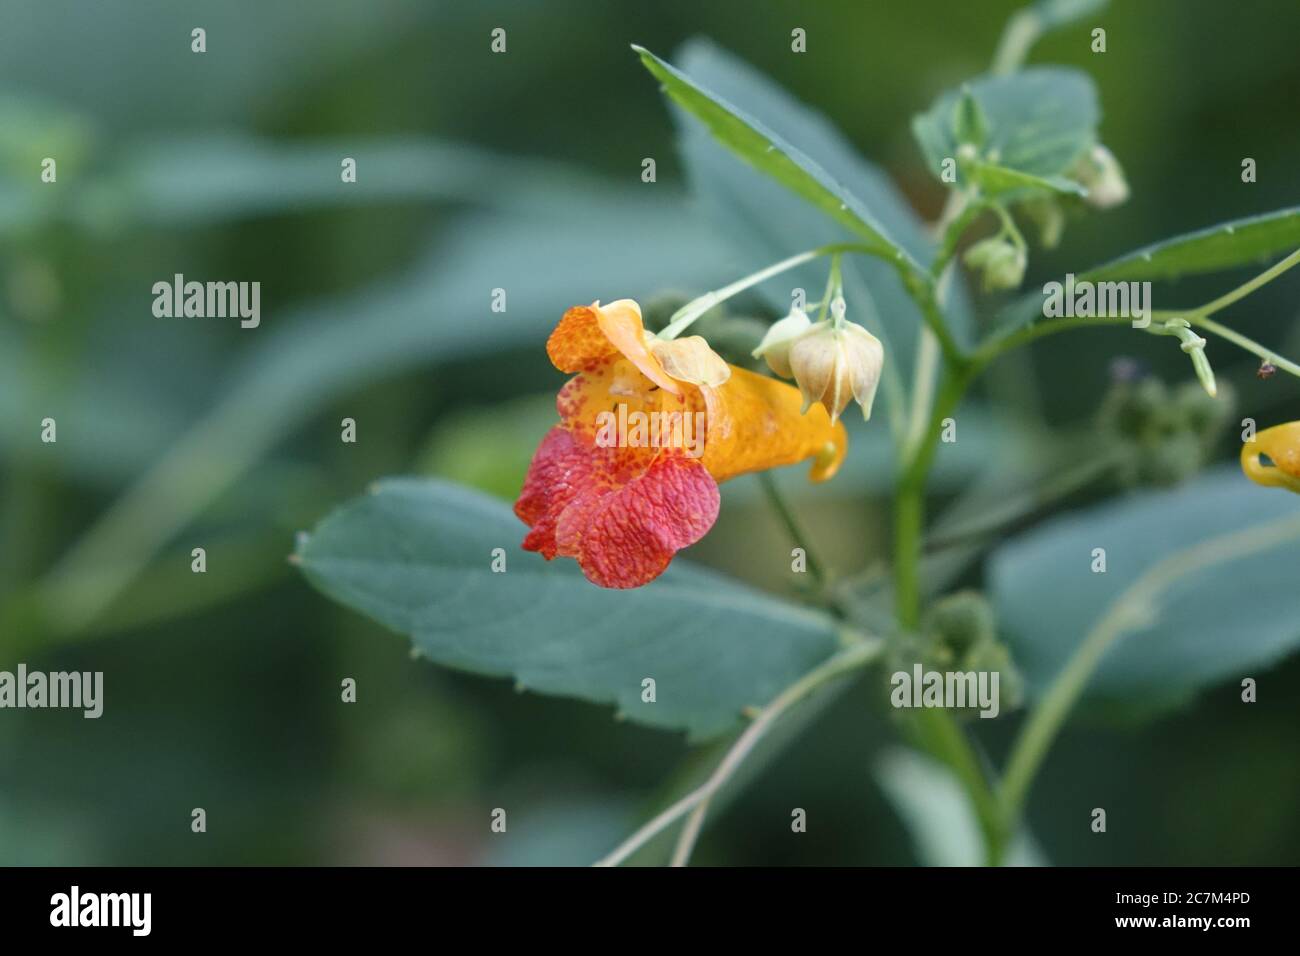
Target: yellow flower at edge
[[1281, 444]]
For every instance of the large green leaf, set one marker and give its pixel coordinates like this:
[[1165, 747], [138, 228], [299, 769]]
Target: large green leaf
[[766, 151], [1240, 242], [765, 222], [1036, 122], [1228, 617], [416, 556]]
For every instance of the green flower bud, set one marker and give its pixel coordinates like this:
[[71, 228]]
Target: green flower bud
[[1001, 261], [960, 622], [1100, 173]]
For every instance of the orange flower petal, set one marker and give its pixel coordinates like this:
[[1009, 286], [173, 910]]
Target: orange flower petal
[[578, 342], [691, 360], [755, 423], [621, 323]]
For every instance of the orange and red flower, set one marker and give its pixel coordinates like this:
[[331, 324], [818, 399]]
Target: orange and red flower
[[623, 509]]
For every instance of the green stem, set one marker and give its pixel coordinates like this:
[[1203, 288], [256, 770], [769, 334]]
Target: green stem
[[1245, 289], [909, 502], [792, 526], [692, 310], [936, 730], [1020, 34], [998, 344], [1242, 341]]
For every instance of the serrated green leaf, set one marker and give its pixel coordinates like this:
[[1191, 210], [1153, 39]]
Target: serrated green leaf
[[1240, 242], [416, 556], [767, 152], [1220, 621], [1039, 121]]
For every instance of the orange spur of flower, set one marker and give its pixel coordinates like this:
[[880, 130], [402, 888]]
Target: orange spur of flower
[[648, 428], [1281, 444]]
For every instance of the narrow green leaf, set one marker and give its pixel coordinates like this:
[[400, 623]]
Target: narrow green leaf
[[999, 182], [1241, 242], [1218, 622], [970, 126], [417, 557], [766, 151]]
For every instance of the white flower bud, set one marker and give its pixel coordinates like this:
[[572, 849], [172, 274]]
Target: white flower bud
[[775, 347]]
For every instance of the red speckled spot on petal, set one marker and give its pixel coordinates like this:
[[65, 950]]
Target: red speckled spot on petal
[[633, 533]]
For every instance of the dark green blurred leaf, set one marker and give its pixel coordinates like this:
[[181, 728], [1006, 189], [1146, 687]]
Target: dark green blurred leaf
[[1227, 620], [416, 555], [1237, 243], [218, 178]]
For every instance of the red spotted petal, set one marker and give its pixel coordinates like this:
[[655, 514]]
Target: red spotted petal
[[623, 529], [560, 470], [633, 533]]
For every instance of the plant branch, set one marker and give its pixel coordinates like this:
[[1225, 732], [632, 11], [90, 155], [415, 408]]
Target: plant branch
[[1245, 289], [1134, 609], [856, 655], [792, 526]]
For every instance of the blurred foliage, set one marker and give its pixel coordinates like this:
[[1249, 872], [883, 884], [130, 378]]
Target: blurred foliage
[[522, 171]]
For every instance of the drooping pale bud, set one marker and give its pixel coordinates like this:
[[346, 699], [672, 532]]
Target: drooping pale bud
[[1001, 262], [835, 365], [775, 347], [1100, 173]]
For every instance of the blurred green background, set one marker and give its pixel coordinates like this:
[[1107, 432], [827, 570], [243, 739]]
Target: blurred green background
[[520, 171]]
